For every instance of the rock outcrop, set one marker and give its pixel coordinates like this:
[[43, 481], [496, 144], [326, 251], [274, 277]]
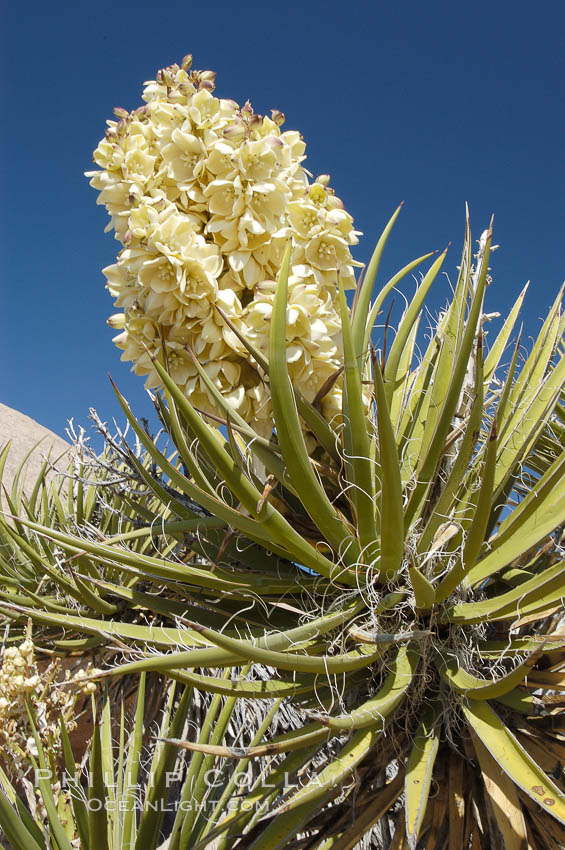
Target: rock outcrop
[[25, 435]]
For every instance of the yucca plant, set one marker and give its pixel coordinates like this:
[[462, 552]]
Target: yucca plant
[[393, 577], [335, 579]]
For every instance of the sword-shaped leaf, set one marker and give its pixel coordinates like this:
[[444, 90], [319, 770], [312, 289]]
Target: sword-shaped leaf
[[479, 689], [401, 395], [503, 798], [322, 430], [499, 345], [196, 817], [190, 795], [359, 465], [412, 425], [16, 831], [477, 529], [249, 807], [508, 604], [478, 525], [536, 365], [151, 635], [295, 740], [291, 439], [407, 323], [388, 288], [260, 446], [277, 641], [430, 455], [470, 434], [424, 591], [325, 664], [544, 489], [538, 523], [419, 770], [366, 815], [43, 775], [80, 810], [513, 758], [162, 764], [519, 700], [525, 425], [260, 689], [391, 507], [303, 804], [97, 808], [374, 711], [359, 322], [445, 341]]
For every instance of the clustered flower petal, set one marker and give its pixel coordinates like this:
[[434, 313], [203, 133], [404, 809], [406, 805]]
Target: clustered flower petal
[[204, 197], [27, 689]]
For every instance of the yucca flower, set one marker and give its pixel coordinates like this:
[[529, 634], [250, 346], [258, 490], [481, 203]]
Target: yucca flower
[[204, 196], [34, 700]]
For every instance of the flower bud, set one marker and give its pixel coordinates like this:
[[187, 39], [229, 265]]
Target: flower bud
[[278, 117], [26, 648], [323, 179], [117, 321], [333, 201], [235, 131], [120, 112], [186, 62]]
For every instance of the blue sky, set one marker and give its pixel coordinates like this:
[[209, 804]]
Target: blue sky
[[432, 103]]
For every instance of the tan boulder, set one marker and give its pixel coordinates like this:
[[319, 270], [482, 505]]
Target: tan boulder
[[25, 435]]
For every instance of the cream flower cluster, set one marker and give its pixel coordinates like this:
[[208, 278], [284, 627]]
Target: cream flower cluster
[[21, 682], [204, 197]]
